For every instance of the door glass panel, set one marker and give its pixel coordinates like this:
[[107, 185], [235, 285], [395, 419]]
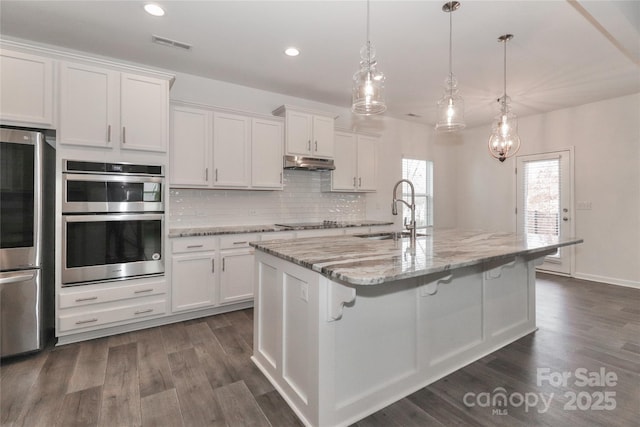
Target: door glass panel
[[542, 197], [16, 195]]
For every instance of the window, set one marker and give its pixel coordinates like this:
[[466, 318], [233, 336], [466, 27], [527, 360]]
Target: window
[[420, 173]]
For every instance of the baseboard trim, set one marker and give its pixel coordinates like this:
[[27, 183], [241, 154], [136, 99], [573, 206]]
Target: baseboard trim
[[608, 280]]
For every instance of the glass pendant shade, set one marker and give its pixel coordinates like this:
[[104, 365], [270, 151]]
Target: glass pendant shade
[[504, 141], [451, 105], [450, 108], [368, 85]]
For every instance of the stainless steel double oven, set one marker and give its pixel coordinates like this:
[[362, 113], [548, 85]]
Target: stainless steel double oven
[[112, 221]]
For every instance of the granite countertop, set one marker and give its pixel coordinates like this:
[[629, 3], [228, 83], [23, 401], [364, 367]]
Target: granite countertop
[[240, 229], [360, 261]]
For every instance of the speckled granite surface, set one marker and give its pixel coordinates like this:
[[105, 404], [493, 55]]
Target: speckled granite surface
[[360, 261], [239, 229]]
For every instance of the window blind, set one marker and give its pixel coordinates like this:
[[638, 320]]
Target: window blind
[[541, 194], [420, 173]]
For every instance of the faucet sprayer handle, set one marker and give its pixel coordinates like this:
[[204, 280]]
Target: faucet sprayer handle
[[394, 208]]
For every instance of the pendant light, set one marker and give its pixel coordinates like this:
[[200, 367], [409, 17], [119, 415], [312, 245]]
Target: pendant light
[[504, 141], [368, 82], [451, 105]]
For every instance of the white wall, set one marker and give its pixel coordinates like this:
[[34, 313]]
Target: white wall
[[397, 137], [606, 137]]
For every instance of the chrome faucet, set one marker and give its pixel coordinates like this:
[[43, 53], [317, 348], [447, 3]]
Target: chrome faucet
[[394, 207]]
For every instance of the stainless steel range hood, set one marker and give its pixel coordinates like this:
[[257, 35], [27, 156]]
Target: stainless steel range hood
[[308, 163]]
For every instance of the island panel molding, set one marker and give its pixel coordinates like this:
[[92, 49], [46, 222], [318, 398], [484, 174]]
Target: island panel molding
[[346, 325]]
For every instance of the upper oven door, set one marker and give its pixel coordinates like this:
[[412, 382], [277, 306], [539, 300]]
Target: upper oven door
[[89, 193]]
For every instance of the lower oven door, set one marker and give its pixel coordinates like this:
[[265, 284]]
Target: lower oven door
[[108, 247]]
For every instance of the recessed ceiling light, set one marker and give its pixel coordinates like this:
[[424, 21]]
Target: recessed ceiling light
[[154, 9], [291, 51]]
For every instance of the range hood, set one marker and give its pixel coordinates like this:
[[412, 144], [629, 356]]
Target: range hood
[[308, 163]]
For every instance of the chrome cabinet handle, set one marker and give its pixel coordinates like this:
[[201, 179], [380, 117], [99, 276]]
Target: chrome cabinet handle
[[354, 181], [213, 265], [309, 145], [240, 243], [206, 174], [109, 133], [359, 182], [194, 246], [87, 299], [316, 149], [82, 322], [142, 291], [216, 178], [148, 310], [124, 135], [222, 264]]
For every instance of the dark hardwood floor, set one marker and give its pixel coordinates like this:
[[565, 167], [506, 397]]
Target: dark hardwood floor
[[198, 373]]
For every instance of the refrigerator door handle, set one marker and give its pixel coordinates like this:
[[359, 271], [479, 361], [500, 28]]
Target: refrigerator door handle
[[20, 278]]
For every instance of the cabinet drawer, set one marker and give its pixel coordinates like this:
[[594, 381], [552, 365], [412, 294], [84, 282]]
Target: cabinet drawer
[[194, 244], [235, 241], [81, 296], [102, 317]]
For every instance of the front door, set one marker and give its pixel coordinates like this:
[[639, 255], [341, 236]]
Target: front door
[[545, 202]]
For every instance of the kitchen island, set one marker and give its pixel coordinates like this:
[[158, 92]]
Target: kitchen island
[[344, 326]]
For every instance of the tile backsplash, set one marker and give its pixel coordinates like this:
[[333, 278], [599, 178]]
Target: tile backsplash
[[301, 200]]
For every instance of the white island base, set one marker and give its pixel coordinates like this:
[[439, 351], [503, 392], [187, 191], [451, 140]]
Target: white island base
[[337, 353]]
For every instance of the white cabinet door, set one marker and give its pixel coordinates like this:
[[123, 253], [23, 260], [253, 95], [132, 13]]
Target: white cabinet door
[[299, 133], [236, 277], [231, 150], [367, 163], [323, 134], [344, 177], [193, 281], [144, 112], [26, 88], [189, 149], [266, 154], [88, 105]]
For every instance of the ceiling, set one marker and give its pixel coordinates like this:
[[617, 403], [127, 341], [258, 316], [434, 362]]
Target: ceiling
[[564, 53]]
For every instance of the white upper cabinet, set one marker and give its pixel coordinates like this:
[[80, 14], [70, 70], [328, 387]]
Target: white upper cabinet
[[231, 150], [355, 162], [213, 148], [144, 112], [344, 177], [307, 133], [26, 88], [88, 105], [100, 107], [189, 154], [266, 154]]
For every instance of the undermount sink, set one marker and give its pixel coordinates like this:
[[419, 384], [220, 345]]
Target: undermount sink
[[390, 235]]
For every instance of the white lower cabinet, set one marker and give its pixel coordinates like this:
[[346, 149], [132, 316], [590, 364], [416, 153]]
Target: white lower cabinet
[[193, 279], [91, 307], [236, 274]]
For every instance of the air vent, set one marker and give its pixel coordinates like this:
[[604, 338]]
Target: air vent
[[171, 43]]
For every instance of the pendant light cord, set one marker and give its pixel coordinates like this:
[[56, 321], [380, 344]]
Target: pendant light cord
[[450, 49], [368, 39], [505, 71]]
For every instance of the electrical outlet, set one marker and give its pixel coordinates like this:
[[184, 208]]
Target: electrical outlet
[[304, 292], [583, 206]]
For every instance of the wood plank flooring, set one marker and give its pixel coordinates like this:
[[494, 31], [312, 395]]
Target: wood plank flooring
[[198, 373]]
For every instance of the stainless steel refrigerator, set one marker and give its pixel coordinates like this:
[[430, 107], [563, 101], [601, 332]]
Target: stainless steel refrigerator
[[27, 200]]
